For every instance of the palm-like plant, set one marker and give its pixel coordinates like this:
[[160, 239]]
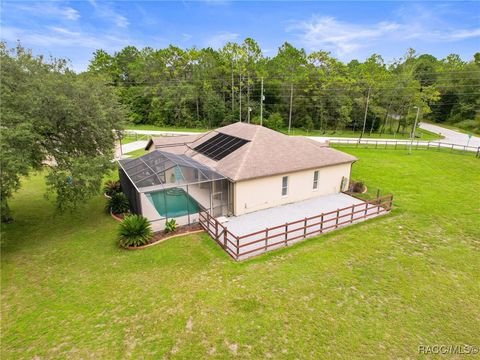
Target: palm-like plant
[[170, 226], [111, 187], [118, 204], [135, 230]]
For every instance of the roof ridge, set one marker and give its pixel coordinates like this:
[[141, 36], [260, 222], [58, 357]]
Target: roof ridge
[[247, 153]]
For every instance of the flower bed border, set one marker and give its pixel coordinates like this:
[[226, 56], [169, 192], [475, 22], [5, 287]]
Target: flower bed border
[[163, 239]]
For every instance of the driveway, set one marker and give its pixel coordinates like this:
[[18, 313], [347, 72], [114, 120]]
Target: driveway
[[452, 136], [126, 148]]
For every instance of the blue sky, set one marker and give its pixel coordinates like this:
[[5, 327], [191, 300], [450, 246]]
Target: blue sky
[[74, 29]]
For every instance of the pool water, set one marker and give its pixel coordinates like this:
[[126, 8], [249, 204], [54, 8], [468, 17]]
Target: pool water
[[173, 202]]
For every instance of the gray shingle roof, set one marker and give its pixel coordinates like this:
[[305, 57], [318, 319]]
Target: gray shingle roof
[[267, 153]]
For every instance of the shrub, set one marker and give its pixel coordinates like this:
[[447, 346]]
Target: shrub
[[112, 187], [135, 230], [118, 204], [469, 125], [358, 187], [274, 121], [170, 226]]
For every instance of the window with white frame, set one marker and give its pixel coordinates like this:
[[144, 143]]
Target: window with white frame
[[315, 180], [285, 186]]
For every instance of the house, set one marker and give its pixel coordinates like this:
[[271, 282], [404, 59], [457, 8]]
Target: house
[[230, 171]]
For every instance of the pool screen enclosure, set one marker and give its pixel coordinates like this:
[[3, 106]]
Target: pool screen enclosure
[[175, 185]]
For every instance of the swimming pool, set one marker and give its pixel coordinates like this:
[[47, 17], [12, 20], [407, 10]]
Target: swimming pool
[[173, 202]]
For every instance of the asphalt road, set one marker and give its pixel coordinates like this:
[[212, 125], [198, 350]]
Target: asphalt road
[[451, 137]]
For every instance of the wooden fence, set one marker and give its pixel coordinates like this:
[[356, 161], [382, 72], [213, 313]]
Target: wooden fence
[[241, 247], [405, 145]]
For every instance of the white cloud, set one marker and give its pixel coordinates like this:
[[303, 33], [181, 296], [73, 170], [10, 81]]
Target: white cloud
[[346, 38], [218, 40], [51, 10], [106, 11], [62, 37], [341, 37]]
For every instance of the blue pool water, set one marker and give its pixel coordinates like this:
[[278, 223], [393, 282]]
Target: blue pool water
[[173, 202]]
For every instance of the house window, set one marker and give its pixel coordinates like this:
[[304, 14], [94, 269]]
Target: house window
[[315, 180], [284, 186]]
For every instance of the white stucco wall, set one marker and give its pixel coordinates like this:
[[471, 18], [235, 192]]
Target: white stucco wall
[[266, 192]]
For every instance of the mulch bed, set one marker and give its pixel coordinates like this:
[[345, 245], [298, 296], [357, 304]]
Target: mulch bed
[[161, 236]]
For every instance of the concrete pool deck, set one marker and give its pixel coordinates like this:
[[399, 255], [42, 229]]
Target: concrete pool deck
[[265, 230], [258, 220]]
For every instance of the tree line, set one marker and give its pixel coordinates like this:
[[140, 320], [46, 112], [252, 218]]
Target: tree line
[[65, 123], [206, 88]]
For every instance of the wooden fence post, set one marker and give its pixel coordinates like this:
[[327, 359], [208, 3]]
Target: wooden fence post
[[266, 239], [336, 222], [225, 237], [216, 230], [366, 208], [305, 228], [238, 246], [353, 210], [286, 233], [321, 224]]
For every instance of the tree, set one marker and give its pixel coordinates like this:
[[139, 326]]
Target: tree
[[53, 118], [288, 64]]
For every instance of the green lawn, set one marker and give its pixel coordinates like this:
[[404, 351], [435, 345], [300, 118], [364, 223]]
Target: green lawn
[[378, 289], [421, 134], [128, 138], [137, 153]]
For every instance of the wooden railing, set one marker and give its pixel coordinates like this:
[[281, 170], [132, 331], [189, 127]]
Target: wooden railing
[[244, 246], [219, 233]]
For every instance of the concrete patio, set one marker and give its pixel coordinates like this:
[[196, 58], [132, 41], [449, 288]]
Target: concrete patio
[[258, 220], [278, 217]]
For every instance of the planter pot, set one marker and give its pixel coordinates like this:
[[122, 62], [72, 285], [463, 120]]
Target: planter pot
[[118, 217]]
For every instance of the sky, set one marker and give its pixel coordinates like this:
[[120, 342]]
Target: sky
[[349, 30]]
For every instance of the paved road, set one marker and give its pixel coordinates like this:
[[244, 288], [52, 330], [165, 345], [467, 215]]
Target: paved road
[[126, 148], [452, 136]]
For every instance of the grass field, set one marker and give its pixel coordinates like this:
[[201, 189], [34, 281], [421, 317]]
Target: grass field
[[137, 153], [421, 134], [378, 289]]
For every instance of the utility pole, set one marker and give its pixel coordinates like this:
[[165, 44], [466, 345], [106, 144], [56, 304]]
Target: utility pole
[[414, 128], [366, 111], [261, 103], [290, 113], [233, 94], [240, 102]]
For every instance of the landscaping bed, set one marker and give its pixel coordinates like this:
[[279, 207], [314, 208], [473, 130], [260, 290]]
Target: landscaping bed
[[162, 235]]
